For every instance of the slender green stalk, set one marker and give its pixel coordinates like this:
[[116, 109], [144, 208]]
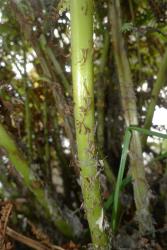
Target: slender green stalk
[[161, 79], [51, 208], [83, 93], [141, 189]]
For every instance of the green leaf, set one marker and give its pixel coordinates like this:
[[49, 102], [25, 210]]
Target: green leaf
[[126, 27], [126, 143], [110, 200]]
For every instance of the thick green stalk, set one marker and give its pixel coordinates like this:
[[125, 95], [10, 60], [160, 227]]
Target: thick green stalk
[[83, 93], [51, 208], [141, 190], [161, 79]]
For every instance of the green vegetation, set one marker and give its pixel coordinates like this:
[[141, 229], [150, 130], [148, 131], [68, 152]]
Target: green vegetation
[[83, 97], [83, 92]]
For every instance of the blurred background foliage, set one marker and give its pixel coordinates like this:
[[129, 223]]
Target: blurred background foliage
[[36, 104]]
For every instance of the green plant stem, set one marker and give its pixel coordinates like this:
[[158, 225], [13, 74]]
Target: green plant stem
[[158, 85], [140, 186], [83, 93], [51, 208]]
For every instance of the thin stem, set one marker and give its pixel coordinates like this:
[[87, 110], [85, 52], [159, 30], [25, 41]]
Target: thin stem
[[158, 85]]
